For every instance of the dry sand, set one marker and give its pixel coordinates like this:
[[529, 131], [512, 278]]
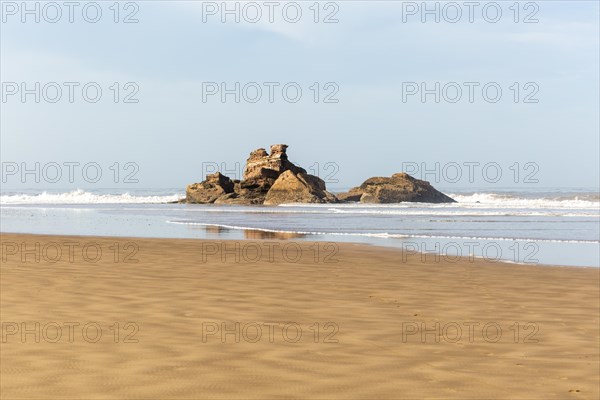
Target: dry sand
[[363, 303]]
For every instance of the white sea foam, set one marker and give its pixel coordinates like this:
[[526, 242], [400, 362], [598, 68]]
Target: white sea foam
[[504, 200], [82, 197], [484, 200], [590, 201], [470, 212]]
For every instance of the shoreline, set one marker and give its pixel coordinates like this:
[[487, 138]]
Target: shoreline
[[366, 326], [302, 237]]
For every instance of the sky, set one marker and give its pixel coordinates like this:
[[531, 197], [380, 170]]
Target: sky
[[362, 69]]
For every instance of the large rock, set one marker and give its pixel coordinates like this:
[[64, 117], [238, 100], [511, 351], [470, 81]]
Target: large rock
[[293, 187], [261, 172], [398, 188], [215, 186]]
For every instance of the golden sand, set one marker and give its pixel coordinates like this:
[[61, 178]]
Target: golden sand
[[181, 322]]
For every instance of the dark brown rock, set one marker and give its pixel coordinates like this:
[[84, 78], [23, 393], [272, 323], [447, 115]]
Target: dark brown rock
[[235, 198]]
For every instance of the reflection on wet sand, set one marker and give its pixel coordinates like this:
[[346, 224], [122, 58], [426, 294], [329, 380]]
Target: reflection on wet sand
[[253, 233], [216, 230]]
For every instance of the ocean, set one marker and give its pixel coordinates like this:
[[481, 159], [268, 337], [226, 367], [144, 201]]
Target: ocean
[[542, 226]]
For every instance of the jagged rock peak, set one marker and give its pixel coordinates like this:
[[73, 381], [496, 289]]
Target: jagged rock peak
[[261, 164]]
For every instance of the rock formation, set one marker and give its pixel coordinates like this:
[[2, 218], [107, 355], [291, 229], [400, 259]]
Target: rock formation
[[272, 179], [266, 176], [300, 187], [262, 165], [215, 186], [398, 188]]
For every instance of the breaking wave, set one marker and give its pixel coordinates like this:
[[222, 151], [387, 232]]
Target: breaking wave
[[82, 197]]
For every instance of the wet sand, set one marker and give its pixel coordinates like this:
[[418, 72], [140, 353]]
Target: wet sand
[[164, 318]]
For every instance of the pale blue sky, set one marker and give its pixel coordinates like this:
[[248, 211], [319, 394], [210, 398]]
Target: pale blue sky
[[369, 53]]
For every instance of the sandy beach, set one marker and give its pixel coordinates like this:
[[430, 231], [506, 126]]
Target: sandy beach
[[95, 318]]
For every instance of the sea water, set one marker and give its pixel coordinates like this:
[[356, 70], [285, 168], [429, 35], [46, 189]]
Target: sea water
[[542, 226]]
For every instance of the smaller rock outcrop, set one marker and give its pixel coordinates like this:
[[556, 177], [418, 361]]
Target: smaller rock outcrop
[[398, 188], [293, 187], [215, 186]]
